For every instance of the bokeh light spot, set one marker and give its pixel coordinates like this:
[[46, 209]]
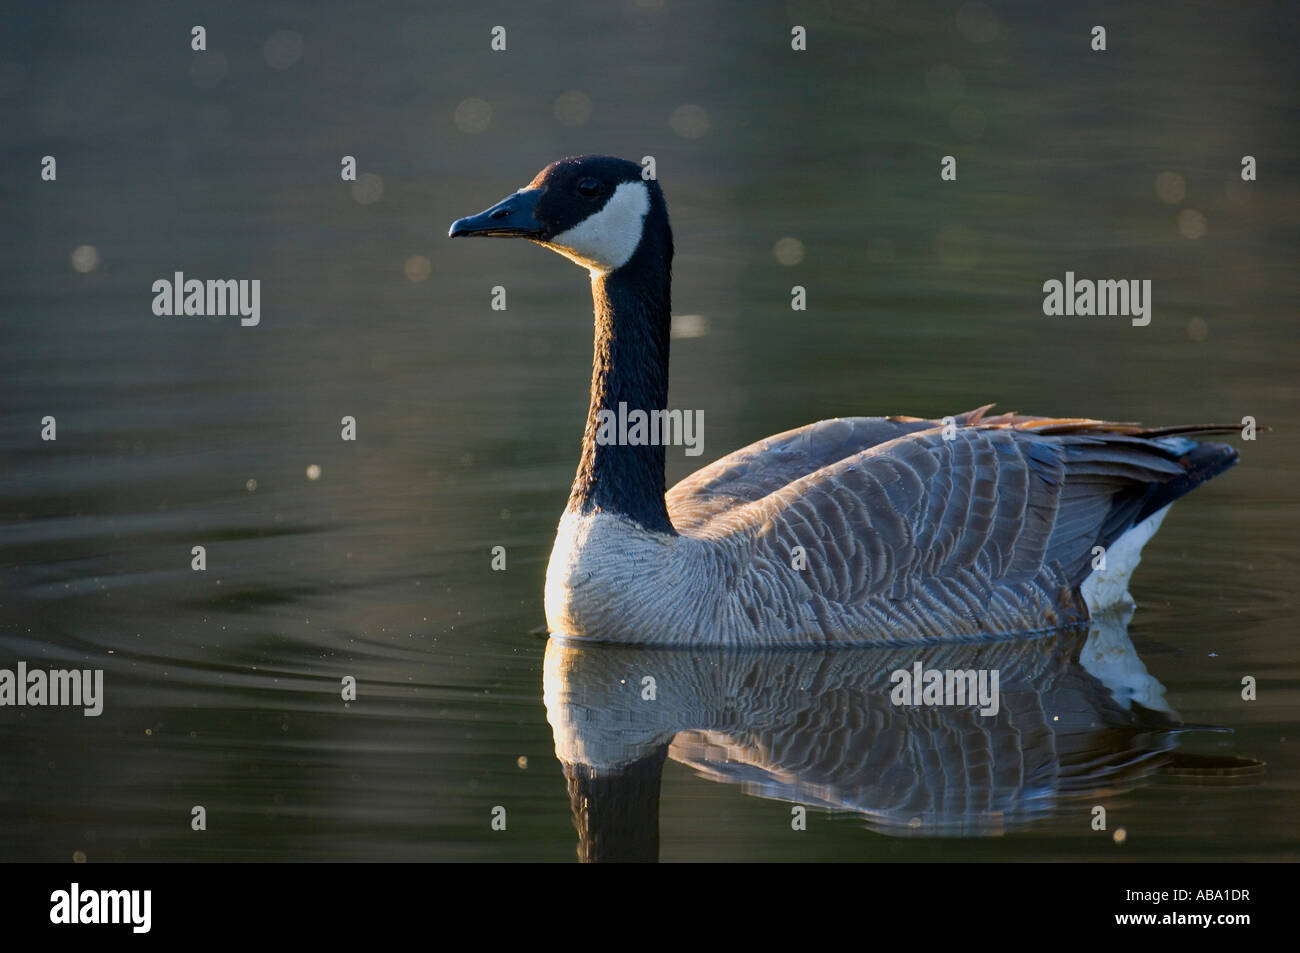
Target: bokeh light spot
[[85, 258], [788, 251], [1192, 224], [367, 188], [282, 49], [473, 115], [417, 268], [1171, 187], [573, 108], [689, 121]]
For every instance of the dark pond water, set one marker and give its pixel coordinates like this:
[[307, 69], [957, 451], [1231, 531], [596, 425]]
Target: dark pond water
[[371, 558]]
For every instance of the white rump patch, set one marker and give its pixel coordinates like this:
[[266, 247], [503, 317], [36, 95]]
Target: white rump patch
[[1109, 586], [606, 240]]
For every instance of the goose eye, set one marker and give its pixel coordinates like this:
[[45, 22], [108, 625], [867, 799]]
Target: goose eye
[[588, 187]]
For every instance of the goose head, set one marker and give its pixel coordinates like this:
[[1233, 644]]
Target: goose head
[[597, 211]]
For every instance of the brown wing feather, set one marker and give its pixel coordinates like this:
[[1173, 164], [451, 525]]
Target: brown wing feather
[[752, 472], [974, 532]]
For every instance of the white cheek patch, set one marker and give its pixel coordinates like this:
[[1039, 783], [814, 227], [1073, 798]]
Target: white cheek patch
[[605, 241]]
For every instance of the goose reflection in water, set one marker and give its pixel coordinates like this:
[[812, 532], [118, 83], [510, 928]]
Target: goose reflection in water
[[1078, 716]]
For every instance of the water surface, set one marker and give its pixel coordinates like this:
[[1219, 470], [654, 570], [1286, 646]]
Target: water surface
[[223, 686]]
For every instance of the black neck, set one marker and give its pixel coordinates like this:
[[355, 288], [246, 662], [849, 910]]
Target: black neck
[[632, 311]]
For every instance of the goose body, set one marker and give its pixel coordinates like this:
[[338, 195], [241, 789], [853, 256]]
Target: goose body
[[852, 530]]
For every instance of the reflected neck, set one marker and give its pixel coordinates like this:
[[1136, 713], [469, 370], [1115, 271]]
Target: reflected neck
[[617, 812]]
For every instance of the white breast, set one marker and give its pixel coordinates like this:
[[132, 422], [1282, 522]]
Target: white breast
[[611, 579]]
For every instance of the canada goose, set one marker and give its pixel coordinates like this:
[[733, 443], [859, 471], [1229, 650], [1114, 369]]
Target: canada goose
[[858, 529]]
